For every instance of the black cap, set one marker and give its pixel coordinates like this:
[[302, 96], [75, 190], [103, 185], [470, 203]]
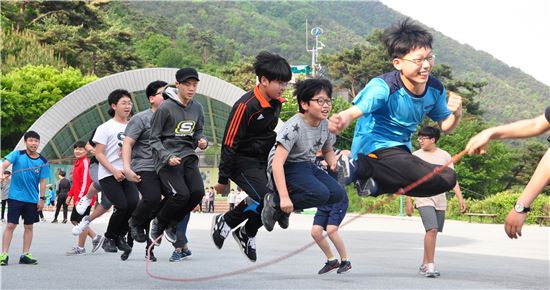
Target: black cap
[[186, 73]]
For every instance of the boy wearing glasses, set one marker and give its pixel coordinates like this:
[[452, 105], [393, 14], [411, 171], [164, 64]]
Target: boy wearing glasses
[[389, 109], [432, 209], [298, 182], [249, 135]]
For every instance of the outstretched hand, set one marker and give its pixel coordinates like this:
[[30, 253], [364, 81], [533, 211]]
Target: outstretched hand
[[479, 143]]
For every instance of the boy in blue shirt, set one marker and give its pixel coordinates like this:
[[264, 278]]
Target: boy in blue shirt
[[29, 171], [389, 110]]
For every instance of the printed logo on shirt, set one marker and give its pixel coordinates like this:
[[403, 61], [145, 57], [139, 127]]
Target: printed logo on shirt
[[185, 128], [260, 117], [120, 136]]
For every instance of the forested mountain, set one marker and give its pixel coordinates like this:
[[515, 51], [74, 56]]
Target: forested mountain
[[51, 48], [243, 28]]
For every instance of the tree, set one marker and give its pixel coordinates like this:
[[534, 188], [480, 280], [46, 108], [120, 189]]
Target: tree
[[468, 90], [28, 92], [150, 47], [79, 32], [352, 68], [240, 73], [22, 48]]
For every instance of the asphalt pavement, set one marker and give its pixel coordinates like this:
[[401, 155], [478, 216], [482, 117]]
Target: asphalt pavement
[[385, 253]]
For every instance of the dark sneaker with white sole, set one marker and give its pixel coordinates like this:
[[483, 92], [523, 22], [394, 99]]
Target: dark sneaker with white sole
[[329, 266], [367, 187], [345, 267], [246, 244], [156, 230], [219, 230]]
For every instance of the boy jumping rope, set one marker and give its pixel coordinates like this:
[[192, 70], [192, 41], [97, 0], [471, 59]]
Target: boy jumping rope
[[249, 135], [389, 110]]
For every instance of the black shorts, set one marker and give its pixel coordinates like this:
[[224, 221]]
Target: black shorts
[[75, 217], [332, 214], [26, 210]]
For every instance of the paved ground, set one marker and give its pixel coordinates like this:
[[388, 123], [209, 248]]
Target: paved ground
[[385, 253]]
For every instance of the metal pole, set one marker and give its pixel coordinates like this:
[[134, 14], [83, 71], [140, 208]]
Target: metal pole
[[402, 206]]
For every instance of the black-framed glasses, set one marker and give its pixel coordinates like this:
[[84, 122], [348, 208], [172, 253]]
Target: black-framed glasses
[[322, 102], [420, 61], [422, 138]]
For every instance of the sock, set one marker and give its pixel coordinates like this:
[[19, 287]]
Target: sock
[[344, 259], [331, 258]]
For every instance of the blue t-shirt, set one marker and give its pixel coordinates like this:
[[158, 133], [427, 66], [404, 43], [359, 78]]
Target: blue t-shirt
[[26, 175], [391, 113]]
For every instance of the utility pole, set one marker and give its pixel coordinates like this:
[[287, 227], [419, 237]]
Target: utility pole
[[318, 45]]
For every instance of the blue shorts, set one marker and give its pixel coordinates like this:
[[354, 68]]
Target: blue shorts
[[27, 210], [332, 214]]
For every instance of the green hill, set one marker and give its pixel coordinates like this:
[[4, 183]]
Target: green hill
[[280, 26]]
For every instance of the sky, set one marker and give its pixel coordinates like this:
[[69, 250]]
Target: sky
[[513, 31]]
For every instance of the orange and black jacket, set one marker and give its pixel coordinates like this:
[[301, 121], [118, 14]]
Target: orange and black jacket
[[250, 131]]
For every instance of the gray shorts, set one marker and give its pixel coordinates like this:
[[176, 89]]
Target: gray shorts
[[432, 218], [103, 201]]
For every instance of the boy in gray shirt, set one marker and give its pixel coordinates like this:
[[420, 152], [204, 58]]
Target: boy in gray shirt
[[139, 166], [298, 182], [176, 131]]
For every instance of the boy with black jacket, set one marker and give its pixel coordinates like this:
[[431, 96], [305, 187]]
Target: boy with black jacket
[[248, 138], [176, 131]]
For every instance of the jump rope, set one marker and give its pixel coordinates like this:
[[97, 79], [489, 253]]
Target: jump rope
[[256, 266]]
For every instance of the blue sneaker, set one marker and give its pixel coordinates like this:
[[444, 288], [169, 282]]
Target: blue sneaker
[[179, 256]]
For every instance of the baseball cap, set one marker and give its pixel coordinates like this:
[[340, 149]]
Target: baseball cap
[[186, 73]]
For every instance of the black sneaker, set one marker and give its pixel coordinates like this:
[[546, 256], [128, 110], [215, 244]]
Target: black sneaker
[[269, 212], [122, 245], [219, 230], [367, 187], [155, 231], [170, 233], [345, 267], [329, 266], [27, 259], [109, 246], [283, 220], [152, 257], [246, 244], [137, 232], [125, 255]]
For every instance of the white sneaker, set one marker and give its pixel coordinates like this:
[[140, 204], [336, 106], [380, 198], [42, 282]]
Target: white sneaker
[[428, 270], [82, 205], [82, 225], [76, 251]]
